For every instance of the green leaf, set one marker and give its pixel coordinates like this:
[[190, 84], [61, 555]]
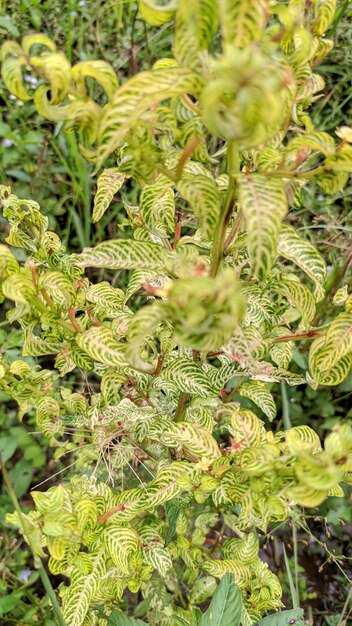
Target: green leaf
[[119, 254], [121, 543], [299, 296], [284, 618], [157, 205], [11, 72], [242, 21], [156, 14], [100, 343], [76, 602], [202, 194], [100, 70], [264, 204], [197, 441], [226, 605], [341, 161], [324, 11], [301, 252], [172, 510], [261, 396], [135, 97], [109, 182], [188, 377], [119, 619], [196, 24]]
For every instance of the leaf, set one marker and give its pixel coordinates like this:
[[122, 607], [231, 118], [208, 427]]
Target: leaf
[[196, 24], [202, 194], [121, 543], [197, 441], [299, 296], [156, 14], [57, 71], [226, 606], [119, 619], [260, 395], [82, 588], [264, 204], [11, 72], [172, 510], [324, 12], [126, 254], [338, 342], [283, 618], [318, 141], [242, 21], [109, 183], [102, 71], [157, 556], [341, 161], [157, 205], [188, 377], [100, 343], [36, 346], [301, 252], [135, 97]]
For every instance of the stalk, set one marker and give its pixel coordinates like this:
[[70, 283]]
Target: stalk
[[233, 166]]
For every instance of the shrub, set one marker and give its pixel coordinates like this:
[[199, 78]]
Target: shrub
[[214, 291]]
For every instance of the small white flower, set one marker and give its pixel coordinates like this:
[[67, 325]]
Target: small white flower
[[24, 574], [7, 143]]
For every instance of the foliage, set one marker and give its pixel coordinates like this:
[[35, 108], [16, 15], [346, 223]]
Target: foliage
[[217, 144]]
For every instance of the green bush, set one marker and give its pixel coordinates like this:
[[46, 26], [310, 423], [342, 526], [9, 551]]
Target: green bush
[[176, 474]]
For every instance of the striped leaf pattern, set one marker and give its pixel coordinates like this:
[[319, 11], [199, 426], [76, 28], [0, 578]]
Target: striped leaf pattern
[[264, 205], [118, 254], [196, 24], [261, 396], [301, 252], [188, 377], [76, 601], [121, 544], [157, 205], [109, 183], [318, 141], [330, 357], [201, 193], [324, 11], [195, 440], [299, 296], [135, 97], [159, 557], [99, 343], [242, 21], [156, 14]]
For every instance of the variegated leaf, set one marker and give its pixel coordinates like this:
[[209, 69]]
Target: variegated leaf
[[264, 205], [261, 396], [109, 183]]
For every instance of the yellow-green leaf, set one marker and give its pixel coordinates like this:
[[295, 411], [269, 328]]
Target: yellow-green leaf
[[264, 205], [109, 183]]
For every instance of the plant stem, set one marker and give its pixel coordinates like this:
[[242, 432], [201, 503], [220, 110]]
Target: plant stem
[[233, 165], [285, 407], [42, 571], [181, 406]]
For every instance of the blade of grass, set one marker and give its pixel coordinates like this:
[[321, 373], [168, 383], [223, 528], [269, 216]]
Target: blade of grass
[[293, 590]]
